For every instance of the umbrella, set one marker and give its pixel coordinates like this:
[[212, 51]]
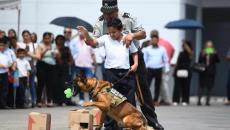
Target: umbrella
[[184, 24], [72, 22]]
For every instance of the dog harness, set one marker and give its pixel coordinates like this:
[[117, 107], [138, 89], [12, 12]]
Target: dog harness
[[116, 97]]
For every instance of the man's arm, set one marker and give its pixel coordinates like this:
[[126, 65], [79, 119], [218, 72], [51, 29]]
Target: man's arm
[[94, 59], [134, 36], [88, 40], [133, 68], [3, 66], [189, 50], [137, 31], [38, 53], [139, 35], [166, 60], [145, 54]]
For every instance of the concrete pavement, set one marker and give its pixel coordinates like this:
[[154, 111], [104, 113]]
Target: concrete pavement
[[215, 117]]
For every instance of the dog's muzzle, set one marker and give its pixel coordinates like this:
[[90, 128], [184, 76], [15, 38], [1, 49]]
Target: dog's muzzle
[[74, 87]]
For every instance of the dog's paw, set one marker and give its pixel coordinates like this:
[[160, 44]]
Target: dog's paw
[[98, 128], [87, 104]]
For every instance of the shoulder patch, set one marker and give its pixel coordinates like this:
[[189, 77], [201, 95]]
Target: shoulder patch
[[101, 18], [126, 15]]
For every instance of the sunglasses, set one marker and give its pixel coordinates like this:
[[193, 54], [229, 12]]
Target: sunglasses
[[154, 36], [67, 32]]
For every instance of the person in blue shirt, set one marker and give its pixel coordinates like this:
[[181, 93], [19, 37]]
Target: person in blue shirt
[[156, 61], [5, 63]]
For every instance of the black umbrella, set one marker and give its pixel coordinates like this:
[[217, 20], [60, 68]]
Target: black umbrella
[[72, 22], [184, 24]]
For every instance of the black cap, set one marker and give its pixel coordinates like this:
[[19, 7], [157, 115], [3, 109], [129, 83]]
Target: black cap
[[4, 40], [109, 6], [154, 32]]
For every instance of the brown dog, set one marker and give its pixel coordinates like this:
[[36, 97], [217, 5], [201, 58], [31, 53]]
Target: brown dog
[[111, 102]]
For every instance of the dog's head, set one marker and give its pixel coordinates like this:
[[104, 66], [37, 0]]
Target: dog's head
[[85, 84]]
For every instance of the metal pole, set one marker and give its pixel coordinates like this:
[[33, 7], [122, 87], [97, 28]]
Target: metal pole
[[19, 20], [198, 34]]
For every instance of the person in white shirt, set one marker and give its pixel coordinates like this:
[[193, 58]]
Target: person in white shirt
[[117, 64], [84, 61], [10, 51], [30, 48], [68, 36], [27, 44], [156, 60], [99, 57], [23, 65], [12, 33], [23, 68], [71, 41], [5, 63], [34, 38]]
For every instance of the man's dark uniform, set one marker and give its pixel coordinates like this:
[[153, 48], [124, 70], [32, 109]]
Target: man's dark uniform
[[130, 25]]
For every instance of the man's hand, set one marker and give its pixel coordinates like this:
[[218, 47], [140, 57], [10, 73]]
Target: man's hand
[[228, 58], [133, 68], [2, 66], [128, 39], [82, 30]]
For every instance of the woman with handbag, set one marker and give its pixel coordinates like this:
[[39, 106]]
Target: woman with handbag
[[182, 75], [209, 57]]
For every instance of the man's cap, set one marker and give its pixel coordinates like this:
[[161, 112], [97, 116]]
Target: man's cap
[[109, 6]]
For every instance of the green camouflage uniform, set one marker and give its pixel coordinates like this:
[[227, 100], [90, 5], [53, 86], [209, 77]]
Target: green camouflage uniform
[[130, 25]]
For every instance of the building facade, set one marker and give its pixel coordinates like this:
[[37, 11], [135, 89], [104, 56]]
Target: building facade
[[152, 14]]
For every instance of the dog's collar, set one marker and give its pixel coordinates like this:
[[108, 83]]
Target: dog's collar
[[92, 90]]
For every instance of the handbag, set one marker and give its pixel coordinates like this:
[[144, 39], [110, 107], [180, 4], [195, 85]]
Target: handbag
[[198, 67], [182, 73], [10, 79]]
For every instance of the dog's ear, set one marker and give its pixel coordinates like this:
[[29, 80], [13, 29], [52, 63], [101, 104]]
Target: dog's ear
[[81, 77]]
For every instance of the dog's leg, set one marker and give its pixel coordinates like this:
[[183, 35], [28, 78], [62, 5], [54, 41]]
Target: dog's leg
[[150, 128], [134, 121], [102, 103], [101, 121]]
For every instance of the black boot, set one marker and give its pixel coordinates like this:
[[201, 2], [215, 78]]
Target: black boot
[[151, 117], [208, 100], [199, 101]]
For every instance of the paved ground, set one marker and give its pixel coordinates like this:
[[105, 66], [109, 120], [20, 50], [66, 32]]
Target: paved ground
[[216, 117]]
